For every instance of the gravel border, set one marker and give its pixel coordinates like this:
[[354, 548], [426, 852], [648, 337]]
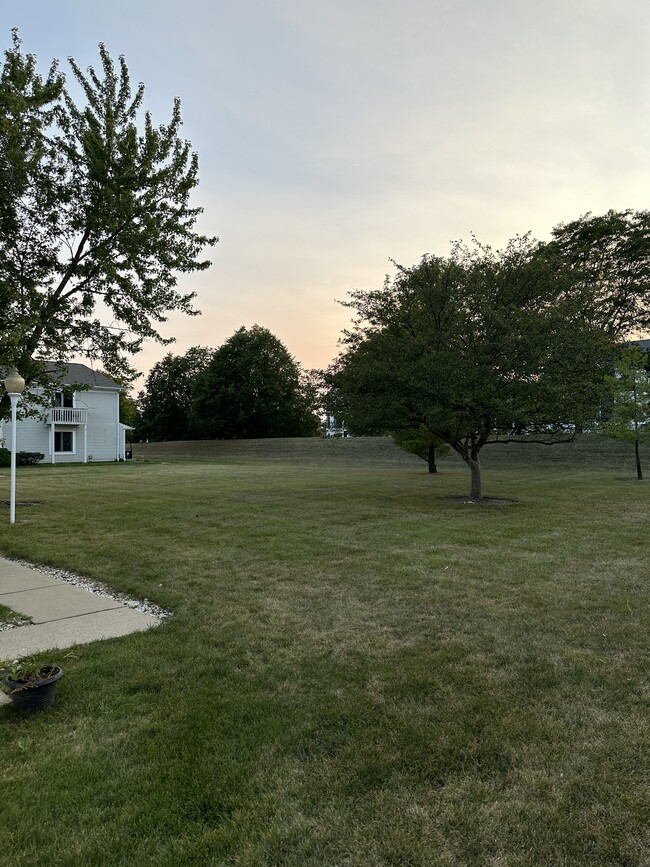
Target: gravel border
[[145, 606], [14, 624]]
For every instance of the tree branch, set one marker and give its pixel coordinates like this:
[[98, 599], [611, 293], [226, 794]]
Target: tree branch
[[554, 442]]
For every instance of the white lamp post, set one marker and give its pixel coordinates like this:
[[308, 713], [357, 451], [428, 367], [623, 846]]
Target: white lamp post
[[14, 386]]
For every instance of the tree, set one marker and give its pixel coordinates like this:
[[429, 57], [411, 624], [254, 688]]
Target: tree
[[95, 219], [367, 421], [420, 442], [164, 405], [128, 413], [608, 258], [479, 348], [627, 416], [253, 388]]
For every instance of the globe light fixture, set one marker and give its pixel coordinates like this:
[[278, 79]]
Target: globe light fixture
[[14, 383], [14, 386]]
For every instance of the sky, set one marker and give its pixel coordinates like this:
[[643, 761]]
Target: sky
[[334, 137]]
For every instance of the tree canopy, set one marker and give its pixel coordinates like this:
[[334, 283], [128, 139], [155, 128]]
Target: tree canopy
[[165, 404], [608, 259], [253, 388], [95, 216], [480, 347]]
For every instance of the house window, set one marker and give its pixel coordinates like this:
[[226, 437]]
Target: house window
[[63, 441], [63, 398]]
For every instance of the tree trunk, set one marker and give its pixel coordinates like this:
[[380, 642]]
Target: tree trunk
[[639, 473], [431, 459], [475, 469]]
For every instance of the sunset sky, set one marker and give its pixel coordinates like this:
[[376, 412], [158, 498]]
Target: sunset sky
[[336, 135]]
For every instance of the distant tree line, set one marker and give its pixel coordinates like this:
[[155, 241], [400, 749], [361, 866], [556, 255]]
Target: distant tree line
[[478, 348], [250, 387]]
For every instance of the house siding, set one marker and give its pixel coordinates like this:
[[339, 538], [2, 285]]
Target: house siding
[[103, 417], [31, 434], [104, 438]]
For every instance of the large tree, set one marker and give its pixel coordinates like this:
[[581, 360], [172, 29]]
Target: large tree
[[95, 218], [477, 348], [253, 388], [164, 405]]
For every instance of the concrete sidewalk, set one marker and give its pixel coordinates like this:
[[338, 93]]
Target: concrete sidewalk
[[63, 615]]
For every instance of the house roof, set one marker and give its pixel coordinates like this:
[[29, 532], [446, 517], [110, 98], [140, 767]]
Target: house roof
[[81, 374], [643, 344]]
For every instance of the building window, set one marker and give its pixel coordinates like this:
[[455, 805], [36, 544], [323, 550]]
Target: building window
[[63, 441], [64, 398]]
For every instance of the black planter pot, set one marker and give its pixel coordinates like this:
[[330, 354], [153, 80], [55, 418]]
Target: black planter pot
[[35, 694]]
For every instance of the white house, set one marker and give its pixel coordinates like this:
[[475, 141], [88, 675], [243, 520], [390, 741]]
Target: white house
[[334, 427], [82, 425]]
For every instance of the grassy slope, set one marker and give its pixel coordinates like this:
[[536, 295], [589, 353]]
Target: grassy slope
[[381, 452], [358, 671]]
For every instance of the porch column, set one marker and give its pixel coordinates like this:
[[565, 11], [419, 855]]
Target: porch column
[[85, 427], [52, 426]]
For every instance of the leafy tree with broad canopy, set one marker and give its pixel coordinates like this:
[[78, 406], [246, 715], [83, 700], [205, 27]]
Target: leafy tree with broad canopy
[[95, 218], [479, 348], [627, 415], [164, 405], [253, 388]]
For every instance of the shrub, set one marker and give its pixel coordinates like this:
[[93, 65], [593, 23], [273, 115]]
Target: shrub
[[5, 457], [24, 458]]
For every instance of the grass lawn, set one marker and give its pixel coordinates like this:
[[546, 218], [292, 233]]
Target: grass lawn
[[359, 670]]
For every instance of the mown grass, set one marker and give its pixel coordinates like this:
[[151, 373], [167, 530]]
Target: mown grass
[[358, 671]]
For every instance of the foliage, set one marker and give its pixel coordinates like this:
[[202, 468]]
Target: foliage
[[608, 258], [128, 412], [482, 347], [419, 441], [95, 219], [627, 415], [29, 458], [252, 388], [5, 457], [164, 405], [20, 674]]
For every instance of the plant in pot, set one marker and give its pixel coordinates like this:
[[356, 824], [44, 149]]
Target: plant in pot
[[30, 683]]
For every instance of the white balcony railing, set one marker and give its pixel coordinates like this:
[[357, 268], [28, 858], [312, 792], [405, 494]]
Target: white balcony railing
[[67, 415]]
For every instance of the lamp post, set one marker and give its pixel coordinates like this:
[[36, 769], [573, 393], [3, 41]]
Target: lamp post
[[14, 386]]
